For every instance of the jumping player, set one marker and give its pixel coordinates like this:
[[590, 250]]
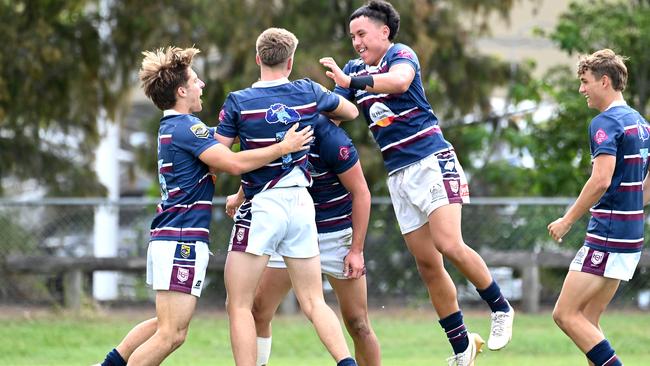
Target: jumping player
[[614, 195], [425, 180]]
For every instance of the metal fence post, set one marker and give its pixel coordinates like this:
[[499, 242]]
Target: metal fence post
[[531, 286]]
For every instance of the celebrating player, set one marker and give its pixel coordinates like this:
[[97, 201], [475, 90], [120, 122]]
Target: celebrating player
[[426, 183], [278, 213], [342, 203], [178, 253]]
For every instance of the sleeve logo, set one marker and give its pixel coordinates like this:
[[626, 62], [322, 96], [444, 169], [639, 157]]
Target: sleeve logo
[[222, 115], [404, 54], [600, 136], [344, 153], [200, 130]]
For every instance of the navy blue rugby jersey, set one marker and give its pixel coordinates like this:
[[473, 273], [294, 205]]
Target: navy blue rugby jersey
[[262, 114], [186, 185], [616, 223], [403, 125], [331, 154]]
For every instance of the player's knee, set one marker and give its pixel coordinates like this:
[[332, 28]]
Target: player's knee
[[560, 317], [260, 315], [359, 327], [454, 250]]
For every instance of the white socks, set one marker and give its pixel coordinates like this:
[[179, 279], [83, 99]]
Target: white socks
[[263, 351]]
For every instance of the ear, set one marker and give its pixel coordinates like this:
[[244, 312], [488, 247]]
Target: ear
[[181, 91], [605, 81], [385, 32], [290, 63], [258, 61]]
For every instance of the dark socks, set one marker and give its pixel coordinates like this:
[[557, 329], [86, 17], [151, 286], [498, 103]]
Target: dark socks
[[113, 358], [603, 355], [495, 299], [456, 331], [347, 362]]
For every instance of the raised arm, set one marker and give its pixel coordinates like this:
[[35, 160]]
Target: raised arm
[[221, 158], [396, 81]]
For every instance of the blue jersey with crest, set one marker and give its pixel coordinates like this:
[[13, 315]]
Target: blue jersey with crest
[[616, 223], [186, 185], [262, 114], [403, 125], [331, 154]]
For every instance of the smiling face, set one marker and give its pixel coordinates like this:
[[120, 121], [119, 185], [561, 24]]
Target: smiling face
[[594, 89], [369, 39]]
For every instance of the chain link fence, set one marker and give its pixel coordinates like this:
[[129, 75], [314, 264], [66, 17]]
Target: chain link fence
[[65, 228]]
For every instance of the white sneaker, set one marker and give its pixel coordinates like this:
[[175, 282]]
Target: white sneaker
[[500, 329], [467, 357]]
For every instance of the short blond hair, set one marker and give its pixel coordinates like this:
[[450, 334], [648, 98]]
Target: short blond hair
[[163, 71], [605, 62], [275, 45]]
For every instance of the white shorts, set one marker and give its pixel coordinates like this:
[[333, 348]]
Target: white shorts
[[278, 220], [417, 190], [620, 266], [334, 247], [177, 266]]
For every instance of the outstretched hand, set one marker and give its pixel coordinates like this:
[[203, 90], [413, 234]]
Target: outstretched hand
[[353, 265], [335, 73]]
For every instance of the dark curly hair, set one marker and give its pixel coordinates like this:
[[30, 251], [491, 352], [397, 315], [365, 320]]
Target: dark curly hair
[[381, 11]]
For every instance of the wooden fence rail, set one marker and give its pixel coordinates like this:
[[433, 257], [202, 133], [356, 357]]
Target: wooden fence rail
[[528, 263]]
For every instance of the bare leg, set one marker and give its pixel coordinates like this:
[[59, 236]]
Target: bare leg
[[306, 279], [137, 336], [274, 286], [174, 311], [582, 290], [242, 275], [441, 288], [352, 297], [445, 225]]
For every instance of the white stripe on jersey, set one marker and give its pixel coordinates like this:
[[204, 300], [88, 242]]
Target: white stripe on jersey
[[252, 111], [359, 101], [316, 175], [334, 218], [631, 184], [333, 199], [630, 127], [195, 203], [280, 163], [179, 229], [174, 190], [617, 212], [261, 140], [633, 156], [410, 137], [165, 136], [166, 165], [314, 155], [615, 240]]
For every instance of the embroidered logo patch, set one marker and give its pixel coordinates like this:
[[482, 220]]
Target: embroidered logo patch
[[600, 136], [200, 130], [344, 153]]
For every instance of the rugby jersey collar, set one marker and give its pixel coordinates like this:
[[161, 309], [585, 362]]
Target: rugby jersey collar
[[271, 83], [616, 103], [171, 112]]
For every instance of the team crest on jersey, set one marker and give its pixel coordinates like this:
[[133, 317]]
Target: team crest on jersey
[[183, 274], [279, 112], [642, 129], [200, 130], [185, 251], [597, 257], [600, 136], [344, 153], [449, 166], [381, 115]]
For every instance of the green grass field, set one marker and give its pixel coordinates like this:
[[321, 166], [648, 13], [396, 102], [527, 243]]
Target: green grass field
[[408, 337]]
